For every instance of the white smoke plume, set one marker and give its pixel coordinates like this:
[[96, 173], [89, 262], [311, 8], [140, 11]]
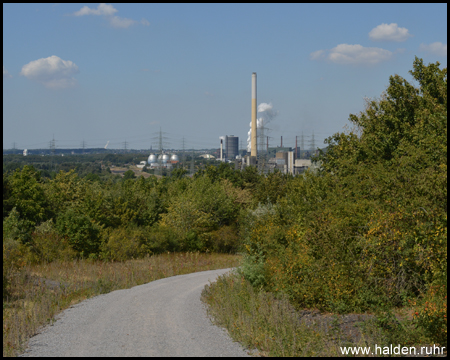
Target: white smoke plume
[[267, 114]]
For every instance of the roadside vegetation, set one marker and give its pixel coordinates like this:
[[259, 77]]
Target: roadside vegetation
[[40, 291], [366, 233], [363, 233]]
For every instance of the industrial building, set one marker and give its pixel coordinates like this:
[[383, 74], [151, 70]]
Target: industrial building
[[231, 150], [162, 161]]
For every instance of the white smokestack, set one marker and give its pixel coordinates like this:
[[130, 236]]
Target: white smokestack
[[222, 138]]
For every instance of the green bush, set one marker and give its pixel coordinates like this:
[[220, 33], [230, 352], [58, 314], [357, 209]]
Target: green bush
[[81, 232], [225, 240], [123, 244], [252, 270], [17, 228], [431, 315], [162, 238], [47, 245], [15, 255], [367, 229], [129, 174]]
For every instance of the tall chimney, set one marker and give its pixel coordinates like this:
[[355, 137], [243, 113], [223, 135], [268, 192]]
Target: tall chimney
[[254, 151], [221, 149]]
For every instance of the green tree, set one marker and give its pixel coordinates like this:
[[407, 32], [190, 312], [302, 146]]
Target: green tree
[[129, 174], [81, 232], [27, 195], [355, 234]]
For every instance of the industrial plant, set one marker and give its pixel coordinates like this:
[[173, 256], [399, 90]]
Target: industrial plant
[[162, 161], [256, 153]]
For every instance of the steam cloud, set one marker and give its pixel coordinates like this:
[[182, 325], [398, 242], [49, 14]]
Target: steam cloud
[[267, 114]]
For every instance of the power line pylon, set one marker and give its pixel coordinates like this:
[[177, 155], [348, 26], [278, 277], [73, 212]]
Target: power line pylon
[[192, 163]]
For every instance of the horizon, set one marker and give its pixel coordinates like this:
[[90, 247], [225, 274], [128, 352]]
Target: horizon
[[94, 74]]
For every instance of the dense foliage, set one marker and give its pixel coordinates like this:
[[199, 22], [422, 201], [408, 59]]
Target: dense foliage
[[365, 230], [368, 230]]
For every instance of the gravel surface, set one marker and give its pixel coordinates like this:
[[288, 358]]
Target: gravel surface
[[162, 318]]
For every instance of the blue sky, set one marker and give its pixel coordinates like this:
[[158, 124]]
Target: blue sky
[[120, 72]]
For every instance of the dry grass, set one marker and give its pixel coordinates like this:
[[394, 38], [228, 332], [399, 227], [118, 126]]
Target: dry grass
[[38, 292], [272, 327]]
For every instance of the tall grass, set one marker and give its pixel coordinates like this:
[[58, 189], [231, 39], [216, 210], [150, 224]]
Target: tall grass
[[38, 292], [271, 326]]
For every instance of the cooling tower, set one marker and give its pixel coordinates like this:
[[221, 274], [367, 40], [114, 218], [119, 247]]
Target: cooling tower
[[232, 147]]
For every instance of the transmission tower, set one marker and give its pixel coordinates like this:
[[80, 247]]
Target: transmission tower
[[192, 163], [302, 143], [52, 151], [313, 143], [183, 155], [162, 143], [52, 145], [125, 145], [83, 145], [161, 139]]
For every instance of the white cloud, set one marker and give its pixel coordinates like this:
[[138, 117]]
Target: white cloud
[[118, 22], [108, 11], [353, 54], [102, 9], [6, 74], [357, 54], [52, 72], [316, 54], [391, 32], [436, 48]]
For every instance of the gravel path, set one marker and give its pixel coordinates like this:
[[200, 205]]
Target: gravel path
[[162, 318]]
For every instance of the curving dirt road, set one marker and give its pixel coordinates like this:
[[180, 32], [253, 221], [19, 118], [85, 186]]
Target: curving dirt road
[[162, 318]]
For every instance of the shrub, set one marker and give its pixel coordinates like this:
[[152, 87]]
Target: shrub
[[129, 174], [14, 258], [252, 270], [225, 240], [123, 243], [431, 315], [16, 228], [47, 245], [81, 232], [161, 238]]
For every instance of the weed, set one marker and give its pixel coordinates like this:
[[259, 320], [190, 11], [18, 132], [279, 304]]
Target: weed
[[38, 292], [270, 324]]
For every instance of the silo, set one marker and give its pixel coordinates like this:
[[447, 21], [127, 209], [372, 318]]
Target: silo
[[152, 159], [232, 147]]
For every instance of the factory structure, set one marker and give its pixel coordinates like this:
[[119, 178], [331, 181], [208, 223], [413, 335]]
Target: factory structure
[[286, 159], [267, 159], [165, 161], [229, 148]]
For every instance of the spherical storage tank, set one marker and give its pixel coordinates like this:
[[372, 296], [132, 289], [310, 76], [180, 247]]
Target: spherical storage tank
[[174, 157], [165, 158], [151, 159]]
